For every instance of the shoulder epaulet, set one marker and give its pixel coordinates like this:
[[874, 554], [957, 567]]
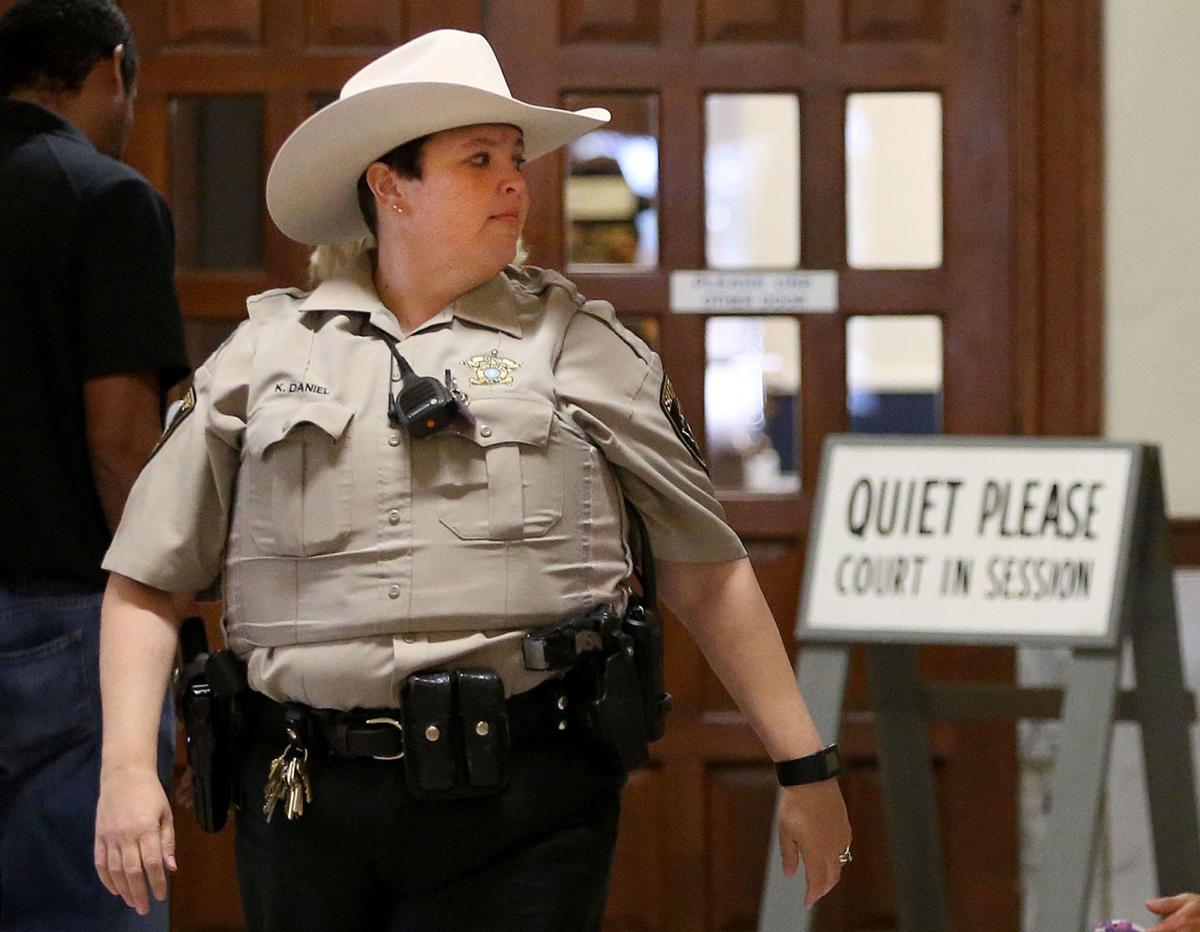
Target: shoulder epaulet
[[604, 312], [269, 305], [601, 310], [535, 281]]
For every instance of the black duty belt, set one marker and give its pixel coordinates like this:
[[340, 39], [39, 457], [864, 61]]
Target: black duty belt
[[379, 733]]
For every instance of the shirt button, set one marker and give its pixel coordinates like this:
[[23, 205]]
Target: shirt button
[[393, 517], [485, 431], [394, 592], [394, 440]]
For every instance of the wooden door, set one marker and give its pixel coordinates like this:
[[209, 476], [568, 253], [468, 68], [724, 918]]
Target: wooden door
[[694, 839], [223, 83]]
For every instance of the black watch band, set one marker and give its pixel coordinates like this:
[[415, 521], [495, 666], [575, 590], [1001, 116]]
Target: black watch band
[[813, 768]]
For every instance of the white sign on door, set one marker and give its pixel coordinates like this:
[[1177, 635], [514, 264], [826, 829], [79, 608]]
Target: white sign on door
[[974, 541], [753, 292]]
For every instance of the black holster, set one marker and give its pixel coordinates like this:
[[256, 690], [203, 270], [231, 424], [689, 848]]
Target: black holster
[[210, 691], [620, 660]]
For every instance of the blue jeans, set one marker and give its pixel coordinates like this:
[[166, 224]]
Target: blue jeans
[[50, 762]]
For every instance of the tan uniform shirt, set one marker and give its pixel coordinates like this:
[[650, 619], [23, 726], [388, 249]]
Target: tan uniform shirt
[[352, 554]]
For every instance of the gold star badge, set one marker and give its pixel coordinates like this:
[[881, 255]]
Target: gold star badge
[[491, 368]]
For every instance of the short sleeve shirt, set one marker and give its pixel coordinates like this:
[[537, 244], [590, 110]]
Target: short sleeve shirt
[[86, 290], [335, 529]]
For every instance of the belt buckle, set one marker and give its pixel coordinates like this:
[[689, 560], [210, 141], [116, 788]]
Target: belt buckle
[[395, 724]]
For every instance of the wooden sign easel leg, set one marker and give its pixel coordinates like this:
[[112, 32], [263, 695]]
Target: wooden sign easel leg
[[1080, 770], [821, 673], [906, 768]]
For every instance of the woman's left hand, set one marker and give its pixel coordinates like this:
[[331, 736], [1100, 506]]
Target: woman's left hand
[[814, 829]]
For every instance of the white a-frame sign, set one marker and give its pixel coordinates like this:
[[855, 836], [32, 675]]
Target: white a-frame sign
[[919, 540]]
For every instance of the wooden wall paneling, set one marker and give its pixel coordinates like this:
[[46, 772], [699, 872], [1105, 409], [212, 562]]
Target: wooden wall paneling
[[217, 294], [422, 16], [1185, 541], [893, 20], [182, 181], [222, 22], [900, 291], [978, 393], [740, 806], [284, 261], [684, 668], [977, 760], [681, 237], [283, 32], [377, 23], [610, 20], [753, 20], [822, 391], [1027, 177], [147, 147], [636, 897], [543, 233], [866, 896], [1059, 176], [685, 905], [148, 20], [543, 236], [823, 246]]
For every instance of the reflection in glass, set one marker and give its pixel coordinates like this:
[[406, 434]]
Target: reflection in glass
[[216, 181], [611, 195], [752, 181], [894, 180], [751, 402], [894, 374]]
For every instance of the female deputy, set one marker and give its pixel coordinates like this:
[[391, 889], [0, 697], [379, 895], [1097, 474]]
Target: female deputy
[[360, 543]]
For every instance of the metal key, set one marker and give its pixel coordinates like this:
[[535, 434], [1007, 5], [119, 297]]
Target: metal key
[[287, 779], [274, 785]]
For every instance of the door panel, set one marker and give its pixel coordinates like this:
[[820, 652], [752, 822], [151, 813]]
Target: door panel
[[693, 838], [710, 766]]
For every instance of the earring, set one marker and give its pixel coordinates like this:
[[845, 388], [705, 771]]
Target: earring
[[397, 208]]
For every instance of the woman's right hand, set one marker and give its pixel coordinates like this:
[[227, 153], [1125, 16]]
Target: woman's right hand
[[135, 835]]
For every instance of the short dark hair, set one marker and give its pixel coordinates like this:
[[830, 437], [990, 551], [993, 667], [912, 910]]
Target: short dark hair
[[406, 161], [54, 44]]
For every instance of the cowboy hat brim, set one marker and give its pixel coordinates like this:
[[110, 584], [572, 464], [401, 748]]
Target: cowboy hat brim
[[312, 188]]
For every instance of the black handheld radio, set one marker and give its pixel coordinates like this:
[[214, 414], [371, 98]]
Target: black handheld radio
[[424, 405]]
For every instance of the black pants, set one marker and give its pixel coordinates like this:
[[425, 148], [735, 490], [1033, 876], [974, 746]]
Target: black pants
[[366, 855]]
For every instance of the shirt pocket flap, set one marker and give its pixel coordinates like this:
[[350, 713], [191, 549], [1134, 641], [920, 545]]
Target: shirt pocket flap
[[270, 424], [510, 419]]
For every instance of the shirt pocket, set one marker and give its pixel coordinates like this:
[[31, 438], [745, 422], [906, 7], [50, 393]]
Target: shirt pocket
[[501, 480], [300, 482]]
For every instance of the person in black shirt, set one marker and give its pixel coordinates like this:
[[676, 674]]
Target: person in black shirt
[[92, 341]]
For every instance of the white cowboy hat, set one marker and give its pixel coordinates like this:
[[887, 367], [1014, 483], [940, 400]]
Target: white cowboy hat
[[441, 80]]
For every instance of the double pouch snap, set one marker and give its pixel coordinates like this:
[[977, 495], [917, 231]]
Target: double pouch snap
[[299, 480], [456, 737]]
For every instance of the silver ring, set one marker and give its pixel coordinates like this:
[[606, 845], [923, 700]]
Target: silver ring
[[845, 857]]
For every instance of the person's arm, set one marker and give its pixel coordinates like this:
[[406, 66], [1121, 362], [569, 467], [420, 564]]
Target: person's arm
[[122, 425], [723, 608], [135, 834], [1182, 913]]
